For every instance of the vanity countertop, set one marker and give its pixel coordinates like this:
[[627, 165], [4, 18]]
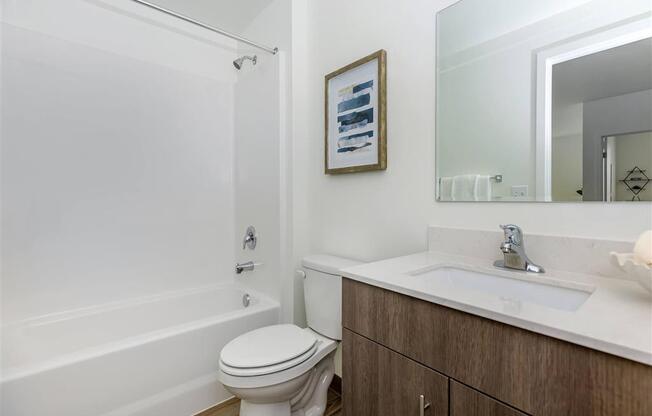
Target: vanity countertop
[[616, 318]]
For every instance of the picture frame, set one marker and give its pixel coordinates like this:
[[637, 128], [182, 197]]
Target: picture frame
[[356, 116]]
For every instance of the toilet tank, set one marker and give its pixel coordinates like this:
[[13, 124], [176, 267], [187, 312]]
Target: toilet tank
[[322, 290]]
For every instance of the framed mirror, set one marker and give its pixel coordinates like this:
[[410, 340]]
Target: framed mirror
[[544, 101]]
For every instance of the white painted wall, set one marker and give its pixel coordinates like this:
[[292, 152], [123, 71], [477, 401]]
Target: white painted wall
[[567, 152], [567, 168], [301, 159], [376, 215], [117, 159]]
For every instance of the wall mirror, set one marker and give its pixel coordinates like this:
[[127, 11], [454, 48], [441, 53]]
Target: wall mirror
[[544, 101]]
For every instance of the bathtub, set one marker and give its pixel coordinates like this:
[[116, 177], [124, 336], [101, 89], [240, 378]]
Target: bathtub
[[149, 356]]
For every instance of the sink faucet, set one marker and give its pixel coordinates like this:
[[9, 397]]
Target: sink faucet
[[513, 249]]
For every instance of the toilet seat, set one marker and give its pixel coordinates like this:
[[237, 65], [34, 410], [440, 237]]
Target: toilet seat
[[275, 368], [322, 348], [267, 350]]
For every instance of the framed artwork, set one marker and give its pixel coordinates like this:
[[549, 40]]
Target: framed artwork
[[356, 116]]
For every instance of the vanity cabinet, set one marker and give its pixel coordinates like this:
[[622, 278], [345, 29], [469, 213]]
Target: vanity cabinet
[[381, 382], [465, 401], [494, 368]]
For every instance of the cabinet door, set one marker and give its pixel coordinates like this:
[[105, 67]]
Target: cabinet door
[[468, 402], [379, 382]]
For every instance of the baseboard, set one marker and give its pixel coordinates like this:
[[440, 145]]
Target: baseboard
[[336, 384], [213, 410]]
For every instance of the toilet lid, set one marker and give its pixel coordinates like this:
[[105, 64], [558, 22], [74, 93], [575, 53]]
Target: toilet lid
[[268, 346], [262, 371]]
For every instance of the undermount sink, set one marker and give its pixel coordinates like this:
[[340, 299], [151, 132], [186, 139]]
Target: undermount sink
[[510, 289]]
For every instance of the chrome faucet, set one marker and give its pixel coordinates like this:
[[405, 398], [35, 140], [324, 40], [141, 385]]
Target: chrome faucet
[[250, 239], [513, 249], [245, 267]]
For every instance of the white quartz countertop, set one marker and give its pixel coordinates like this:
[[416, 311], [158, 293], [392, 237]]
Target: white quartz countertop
[[616, 318]]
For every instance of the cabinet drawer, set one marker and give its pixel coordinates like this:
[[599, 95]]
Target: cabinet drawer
[[380, 382], [468, 402], [540, 375]]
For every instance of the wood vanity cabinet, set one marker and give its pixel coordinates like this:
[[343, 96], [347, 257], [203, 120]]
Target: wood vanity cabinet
[[396, 348], [381, 382], [464, 401]]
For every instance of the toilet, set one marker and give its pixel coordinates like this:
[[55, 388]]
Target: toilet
[[285, 370]]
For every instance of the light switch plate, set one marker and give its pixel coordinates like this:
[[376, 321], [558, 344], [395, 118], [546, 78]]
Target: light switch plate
[[519, 191]]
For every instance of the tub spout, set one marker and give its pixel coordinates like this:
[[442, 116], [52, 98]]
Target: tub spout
[[245, 267]]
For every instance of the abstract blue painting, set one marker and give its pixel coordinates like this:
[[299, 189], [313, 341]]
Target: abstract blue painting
[[354, 116], [355, 113]]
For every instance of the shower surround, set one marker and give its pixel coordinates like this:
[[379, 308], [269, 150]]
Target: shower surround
[[129, 153]]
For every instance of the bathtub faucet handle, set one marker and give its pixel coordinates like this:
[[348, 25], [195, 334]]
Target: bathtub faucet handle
[[250, 239]]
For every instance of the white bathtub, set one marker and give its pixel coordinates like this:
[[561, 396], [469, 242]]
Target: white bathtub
[[150, 356]]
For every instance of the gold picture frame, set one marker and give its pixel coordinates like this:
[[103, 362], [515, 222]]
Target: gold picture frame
[[367, 122]]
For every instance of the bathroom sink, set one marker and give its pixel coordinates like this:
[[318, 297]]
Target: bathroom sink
[[510, 289]]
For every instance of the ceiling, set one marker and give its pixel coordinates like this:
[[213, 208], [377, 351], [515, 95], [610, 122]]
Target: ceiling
[[230, 15], [622, 70]]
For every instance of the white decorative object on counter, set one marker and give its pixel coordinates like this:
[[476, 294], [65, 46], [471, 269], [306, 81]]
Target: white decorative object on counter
[[632, 265], [643, 248]]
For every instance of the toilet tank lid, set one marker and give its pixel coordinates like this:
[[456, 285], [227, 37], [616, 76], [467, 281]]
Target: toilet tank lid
[[326, 263]]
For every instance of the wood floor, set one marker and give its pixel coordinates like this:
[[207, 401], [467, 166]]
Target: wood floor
[[232, 407], [334, 406]]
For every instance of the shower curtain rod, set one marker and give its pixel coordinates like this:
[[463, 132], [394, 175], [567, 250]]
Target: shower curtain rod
[[273, 51]]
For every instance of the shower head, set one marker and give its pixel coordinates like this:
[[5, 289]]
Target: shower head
[[238, 62]]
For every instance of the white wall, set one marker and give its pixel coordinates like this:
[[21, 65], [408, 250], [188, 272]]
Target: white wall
[[389, 211], [567, 152], [567, 168], [117, 159], [300, 160], [261, 141]]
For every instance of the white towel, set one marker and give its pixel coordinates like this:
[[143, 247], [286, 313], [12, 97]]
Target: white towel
[[464, 187], [483, 188], [446, 188]]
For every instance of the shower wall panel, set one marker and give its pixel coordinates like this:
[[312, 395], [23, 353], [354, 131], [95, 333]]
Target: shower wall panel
[[116, 155]]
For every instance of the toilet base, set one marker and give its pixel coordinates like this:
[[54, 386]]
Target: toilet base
[[268, 409], [310, 400]]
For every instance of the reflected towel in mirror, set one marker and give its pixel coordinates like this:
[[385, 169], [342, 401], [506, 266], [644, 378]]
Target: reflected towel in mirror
[[464, 187], [483, 188], [446, 189]]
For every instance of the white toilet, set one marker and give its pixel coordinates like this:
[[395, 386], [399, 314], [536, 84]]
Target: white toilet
[[284, 370]]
